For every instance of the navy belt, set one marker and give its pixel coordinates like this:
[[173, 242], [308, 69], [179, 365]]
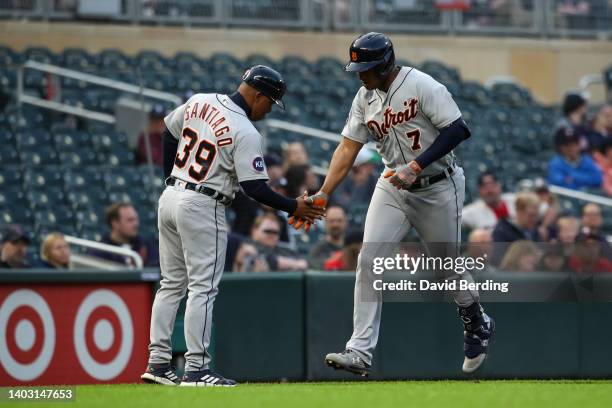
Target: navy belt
[[199, 188], [423, 182]]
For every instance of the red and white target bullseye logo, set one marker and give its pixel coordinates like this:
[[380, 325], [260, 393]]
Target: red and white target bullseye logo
[[103, 334], [27, 335]]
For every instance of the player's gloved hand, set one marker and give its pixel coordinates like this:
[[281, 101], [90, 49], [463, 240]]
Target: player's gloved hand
[[404, 176], [306, 212], [318, 200]]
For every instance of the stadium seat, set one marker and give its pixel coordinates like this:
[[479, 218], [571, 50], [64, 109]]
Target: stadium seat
[[53, 217], [16, 214], [40, 54], [48, 197]]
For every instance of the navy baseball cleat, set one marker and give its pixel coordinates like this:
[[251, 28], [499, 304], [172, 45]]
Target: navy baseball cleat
[[479, 328], [163, 374], [348, 360], [206, 378]]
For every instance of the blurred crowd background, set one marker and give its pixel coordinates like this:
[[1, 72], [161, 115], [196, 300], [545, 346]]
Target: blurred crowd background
[[64, 174]]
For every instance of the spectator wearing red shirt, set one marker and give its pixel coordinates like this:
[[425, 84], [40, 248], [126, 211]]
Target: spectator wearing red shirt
[[587, 257], [346, 258], [154, 134]]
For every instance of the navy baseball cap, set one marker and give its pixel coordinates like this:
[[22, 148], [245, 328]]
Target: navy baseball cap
[[565, 136], [157, 112], [14, 233]]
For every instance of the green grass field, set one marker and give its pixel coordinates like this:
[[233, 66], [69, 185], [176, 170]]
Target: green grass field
[[421, 394]]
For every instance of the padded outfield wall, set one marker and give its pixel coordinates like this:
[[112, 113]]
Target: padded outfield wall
[[279, 326]]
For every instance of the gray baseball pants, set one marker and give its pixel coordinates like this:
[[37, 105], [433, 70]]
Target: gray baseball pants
[[192, 244], [435, 213]]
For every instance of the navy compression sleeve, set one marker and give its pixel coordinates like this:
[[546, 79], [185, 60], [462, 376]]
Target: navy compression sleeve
[[447, 140], [259, 191], [170, 146]]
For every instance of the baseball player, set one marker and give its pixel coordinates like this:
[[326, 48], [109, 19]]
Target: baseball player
[[415, 124], [210, 147]]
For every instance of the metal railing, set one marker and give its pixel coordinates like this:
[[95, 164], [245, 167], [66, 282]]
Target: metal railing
[[94, 262], [89, 78], [540, 18]]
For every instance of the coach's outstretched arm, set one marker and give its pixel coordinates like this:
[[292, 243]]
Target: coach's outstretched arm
[[341, 163]]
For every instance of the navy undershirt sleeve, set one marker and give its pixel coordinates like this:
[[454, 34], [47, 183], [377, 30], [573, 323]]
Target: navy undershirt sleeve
[[259, 191], [170, 146], [447, 140]]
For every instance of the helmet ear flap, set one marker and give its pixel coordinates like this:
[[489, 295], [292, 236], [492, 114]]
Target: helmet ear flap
[[389, 62]]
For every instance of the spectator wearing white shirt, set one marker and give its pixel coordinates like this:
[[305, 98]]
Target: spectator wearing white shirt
[[492, 205]]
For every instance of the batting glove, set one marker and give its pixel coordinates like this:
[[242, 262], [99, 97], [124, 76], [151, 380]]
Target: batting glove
[[320, 200], [403, 176]]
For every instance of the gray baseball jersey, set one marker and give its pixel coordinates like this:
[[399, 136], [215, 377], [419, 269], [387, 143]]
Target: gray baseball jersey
[[218, 147], [218, 144], [404, 121]]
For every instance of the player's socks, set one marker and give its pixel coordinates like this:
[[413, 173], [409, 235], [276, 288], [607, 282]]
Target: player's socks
[[478, 330]]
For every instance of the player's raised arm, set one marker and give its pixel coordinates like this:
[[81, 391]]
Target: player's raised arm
[[341, 163]]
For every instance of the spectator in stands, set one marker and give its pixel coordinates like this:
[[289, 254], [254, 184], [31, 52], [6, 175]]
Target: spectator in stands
[[524, 226], [335, 229], [492, 205], [154, 133], [521, 256], [358, 187], [553, 259], [587, 256], [55, 252], [274, 166], [480, 243], [592, 221], [301, 178], [122, 219], [567, 230], [346, 258], [14, 248], [265, 236], [601, 128], [248, 259], [578, 14], [569, 168], [603, 158], [574, 110], [295, 155]]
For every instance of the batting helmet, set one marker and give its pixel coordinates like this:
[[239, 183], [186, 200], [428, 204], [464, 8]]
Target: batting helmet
[[267, 81], [371, 50]]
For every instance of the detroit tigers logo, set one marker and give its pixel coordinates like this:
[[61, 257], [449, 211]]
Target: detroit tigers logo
[[392, 119], [353, 56]]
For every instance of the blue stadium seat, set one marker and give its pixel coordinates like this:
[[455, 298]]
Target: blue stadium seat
[[87, 219], [40, 54], [32, 156], [53, 217], [46, 197], [77, 58], [92, 198], [16, 214]]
